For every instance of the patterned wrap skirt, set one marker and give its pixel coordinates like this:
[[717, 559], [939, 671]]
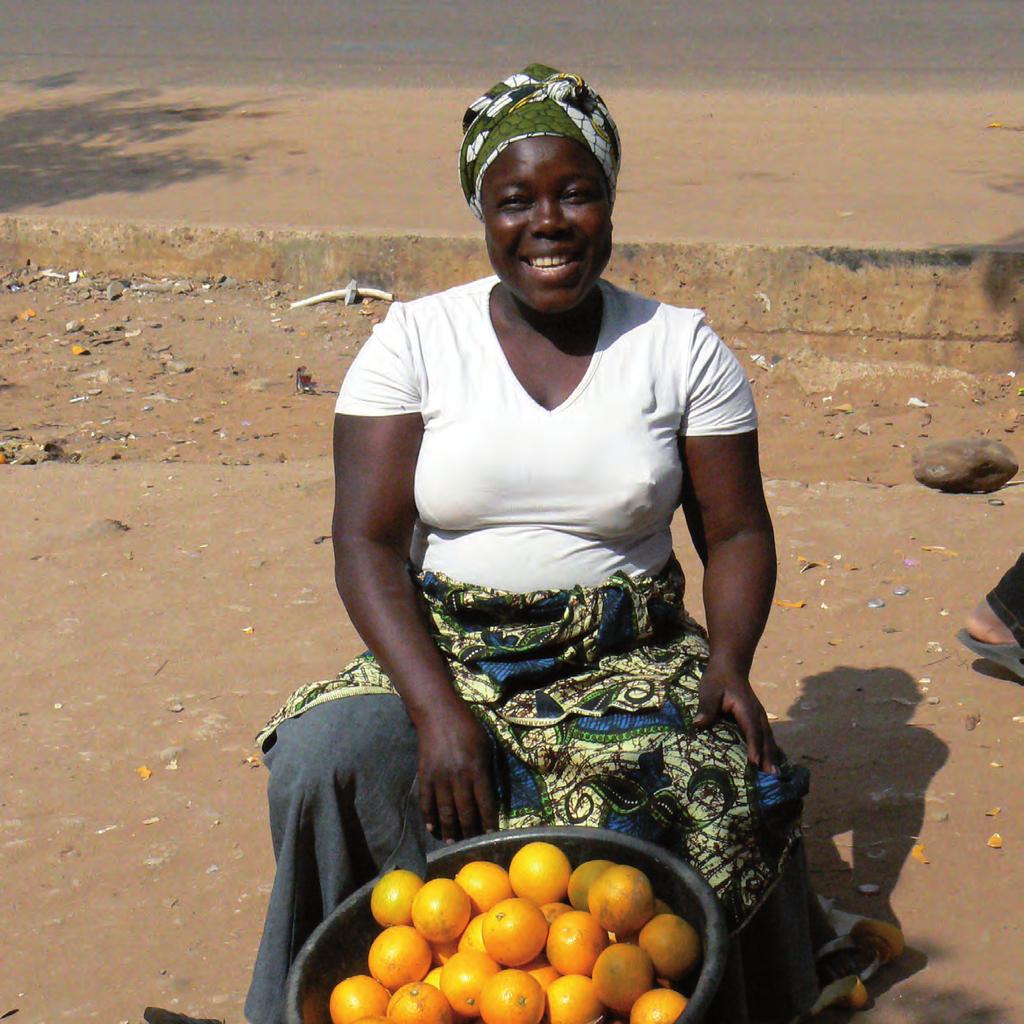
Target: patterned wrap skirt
[[589, 696]]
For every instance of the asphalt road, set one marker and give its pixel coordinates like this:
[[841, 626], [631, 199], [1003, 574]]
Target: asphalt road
[[804, 45]]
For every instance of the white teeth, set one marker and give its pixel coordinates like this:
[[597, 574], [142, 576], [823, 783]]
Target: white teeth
[[545, 262]]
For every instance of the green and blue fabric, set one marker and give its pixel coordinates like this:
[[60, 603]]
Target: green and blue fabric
[[535, 101]]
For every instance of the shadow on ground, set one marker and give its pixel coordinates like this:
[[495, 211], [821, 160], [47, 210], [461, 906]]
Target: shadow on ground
[[121, 142], [864, 812]]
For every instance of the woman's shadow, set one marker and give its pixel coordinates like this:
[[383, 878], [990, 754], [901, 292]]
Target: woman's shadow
[[870, 772]]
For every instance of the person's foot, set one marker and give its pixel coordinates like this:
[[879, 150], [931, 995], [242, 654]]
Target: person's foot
[[984, 625]]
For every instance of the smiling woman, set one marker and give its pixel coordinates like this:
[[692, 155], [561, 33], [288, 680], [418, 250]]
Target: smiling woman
[[508, 458]]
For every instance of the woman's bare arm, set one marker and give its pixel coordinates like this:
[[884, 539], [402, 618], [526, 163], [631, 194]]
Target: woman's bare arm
[[728, 512], [374, 516]]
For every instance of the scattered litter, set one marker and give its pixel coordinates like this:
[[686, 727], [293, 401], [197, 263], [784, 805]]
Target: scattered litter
[[972, 721], [143, 772], [102, 831], [213, 869], [150, 821], [845, 408], [350, 294], [809, 563], [868, 889], [254, 761], [996, 501], [910, 562], [79, 350], [771, 717], [917, 403], [26, 314], [939, 549], [995, 841], [78, 398], [1018, 718], [304, 383], [54, 274], [172, 765], [763, 296], [789, 604], [249, 630], [919, 855], [993, 813], [73, 277], [900, 590], [876, 602], [760, 361], [996, 764]]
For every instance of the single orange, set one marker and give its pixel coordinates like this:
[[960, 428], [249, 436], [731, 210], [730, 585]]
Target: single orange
[[581, 880], [622, 974], [540, 872], [622, 900], [511, 997], [659, 1006], [357, 997], [553, 910], [485, 884], [575, 941], [572, 1000], [398, 956], [541, 971], [672, 944], [391, 899], [440, 910], [463, 977], [473, 937], [514, 932], [371, 1020], [419, 1003], [434, 977]]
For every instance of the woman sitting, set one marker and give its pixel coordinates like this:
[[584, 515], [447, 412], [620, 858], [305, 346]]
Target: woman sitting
[[524, 441]]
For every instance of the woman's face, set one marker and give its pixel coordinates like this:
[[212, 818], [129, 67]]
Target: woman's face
[[548, 222]]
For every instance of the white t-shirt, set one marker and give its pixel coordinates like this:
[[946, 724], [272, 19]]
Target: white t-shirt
[[513, 496]]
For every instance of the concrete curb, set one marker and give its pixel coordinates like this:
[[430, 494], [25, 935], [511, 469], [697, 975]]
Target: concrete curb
[[926, 295]]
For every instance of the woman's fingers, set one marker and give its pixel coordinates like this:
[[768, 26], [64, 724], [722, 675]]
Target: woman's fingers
[[486, 802], [428, 805], [709, 706], [464, 799]]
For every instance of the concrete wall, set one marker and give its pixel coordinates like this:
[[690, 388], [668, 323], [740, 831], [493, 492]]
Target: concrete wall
[[931, 295]]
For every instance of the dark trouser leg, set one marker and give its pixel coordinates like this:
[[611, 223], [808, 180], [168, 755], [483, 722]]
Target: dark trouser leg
[[1007, 600], [343, 806]]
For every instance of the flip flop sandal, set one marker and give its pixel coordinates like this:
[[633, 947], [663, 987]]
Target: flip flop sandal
[[1009, 656]]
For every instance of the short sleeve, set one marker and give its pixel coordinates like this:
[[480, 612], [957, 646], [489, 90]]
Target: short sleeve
[[718, 398], [383, 380]]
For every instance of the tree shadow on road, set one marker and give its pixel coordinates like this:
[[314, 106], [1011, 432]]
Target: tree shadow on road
[[121, 142]]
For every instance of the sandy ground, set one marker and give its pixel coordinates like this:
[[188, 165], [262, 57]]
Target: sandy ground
[[167, 584], [855, 168]]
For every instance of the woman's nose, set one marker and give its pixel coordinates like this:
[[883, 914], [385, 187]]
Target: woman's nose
[[548, 215]]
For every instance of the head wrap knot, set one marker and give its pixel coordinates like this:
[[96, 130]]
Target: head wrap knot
[[535, 101]]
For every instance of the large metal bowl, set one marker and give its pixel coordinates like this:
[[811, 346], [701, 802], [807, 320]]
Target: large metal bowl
[[339, 946]]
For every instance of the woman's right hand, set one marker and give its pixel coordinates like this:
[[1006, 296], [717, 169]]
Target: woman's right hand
[[456, 785]]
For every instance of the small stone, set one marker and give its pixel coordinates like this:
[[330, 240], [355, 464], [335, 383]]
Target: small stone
[[178, 366], [175, 706], [996, 501], [968, 465], [971, 721], [876, 602], [115, 290], [934, 700], [940, 816], [868, 889], [900, 590], [182, 287], [73, 326], [864, 428]]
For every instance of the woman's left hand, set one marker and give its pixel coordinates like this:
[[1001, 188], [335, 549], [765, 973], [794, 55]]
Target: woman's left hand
[[727, 693]]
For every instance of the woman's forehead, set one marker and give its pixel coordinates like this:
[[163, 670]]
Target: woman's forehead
[[543, 155]]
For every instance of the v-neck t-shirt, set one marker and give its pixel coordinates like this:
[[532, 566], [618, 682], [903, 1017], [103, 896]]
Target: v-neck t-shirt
[[517, 497]]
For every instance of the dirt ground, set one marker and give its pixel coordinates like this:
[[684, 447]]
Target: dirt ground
[[841, 167], [166, 498]]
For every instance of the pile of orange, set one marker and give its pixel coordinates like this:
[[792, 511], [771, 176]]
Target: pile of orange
[[539, 942]]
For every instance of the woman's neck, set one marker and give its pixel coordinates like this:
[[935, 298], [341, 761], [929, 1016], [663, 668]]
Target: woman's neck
[[574, 331]]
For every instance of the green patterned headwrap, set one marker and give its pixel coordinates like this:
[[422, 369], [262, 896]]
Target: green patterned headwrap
[[536, 101]]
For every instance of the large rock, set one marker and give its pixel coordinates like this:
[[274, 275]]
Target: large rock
[[969, 465]]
